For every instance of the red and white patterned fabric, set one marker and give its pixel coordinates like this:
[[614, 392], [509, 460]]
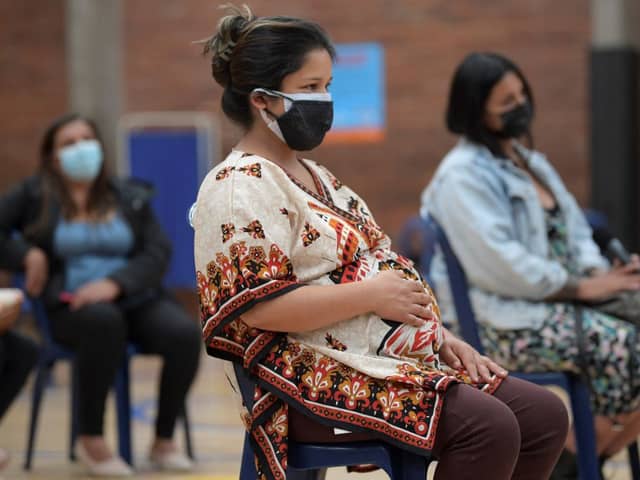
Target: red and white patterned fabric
[[261, 233]]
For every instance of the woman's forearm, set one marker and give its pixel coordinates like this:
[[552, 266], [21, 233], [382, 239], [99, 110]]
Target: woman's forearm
[[311, 307], [569, 290]]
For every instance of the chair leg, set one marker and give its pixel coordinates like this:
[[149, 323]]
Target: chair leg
[[248, 467], [634, 460], [588, 468], [187, 432], [407, 466], [74, 411], [123, 409], [40, 384], [317, 474], [321, 474]]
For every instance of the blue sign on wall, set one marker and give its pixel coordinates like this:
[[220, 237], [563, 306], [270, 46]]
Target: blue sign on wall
[[358, 90]]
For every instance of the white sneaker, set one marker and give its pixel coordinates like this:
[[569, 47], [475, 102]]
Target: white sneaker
[[113, 467], [171, 462]]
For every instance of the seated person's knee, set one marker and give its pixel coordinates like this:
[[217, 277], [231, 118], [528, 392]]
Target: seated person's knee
[[503, 432], [105, 321]]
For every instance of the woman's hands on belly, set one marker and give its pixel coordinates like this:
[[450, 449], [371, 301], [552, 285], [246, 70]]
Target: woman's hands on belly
[[396, 298]]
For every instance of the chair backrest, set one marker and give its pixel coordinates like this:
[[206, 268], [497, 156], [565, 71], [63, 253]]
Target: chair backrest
[[434, 235], [596, 219], [42, 320], [410, 241], [417, 242]]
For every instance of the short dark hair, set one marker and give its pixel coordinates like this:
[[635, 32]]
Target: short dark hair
[[251, 52], [472, 83]]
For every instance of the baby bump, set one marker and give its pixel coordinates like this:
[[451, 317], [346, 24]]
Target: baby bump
[[402, 341]]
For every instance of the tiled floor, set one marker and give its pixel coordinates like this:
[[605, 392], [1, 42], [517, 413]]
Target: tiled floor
[[216, 429]]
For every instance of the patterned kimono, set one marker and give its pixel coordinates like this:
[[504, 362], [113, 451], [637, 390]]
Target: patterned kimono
[[261, 233]]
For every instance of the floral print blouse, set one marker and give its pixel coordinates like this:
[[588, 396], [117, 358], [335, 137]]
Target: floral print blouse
[[260, 233]]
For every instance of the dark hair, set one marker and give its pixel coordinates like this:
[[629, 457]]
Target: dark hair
[[251, 52], [100, 197], [472, 83]]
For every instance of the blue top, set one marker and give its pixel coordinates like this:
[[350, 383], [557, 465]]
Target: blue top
[[92, 251]]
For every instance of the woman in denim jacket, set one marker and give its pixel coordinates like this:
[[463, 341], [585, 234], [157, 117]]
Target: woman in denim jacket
[[527, 249]]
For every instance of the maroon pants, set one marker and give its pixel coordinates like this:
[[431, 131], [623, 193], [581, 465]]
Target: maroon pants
[[517, 433]]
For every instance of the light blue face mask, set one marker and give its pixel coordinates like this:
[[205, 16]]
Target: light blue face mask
[[81, 161]]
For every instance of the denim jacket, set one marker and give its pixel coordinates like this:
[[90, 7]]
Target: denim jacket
[[491, 214]]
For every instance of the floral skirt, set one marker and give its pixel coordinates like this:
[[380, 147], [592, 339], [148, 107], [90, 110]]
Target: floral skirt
[[611, 353]]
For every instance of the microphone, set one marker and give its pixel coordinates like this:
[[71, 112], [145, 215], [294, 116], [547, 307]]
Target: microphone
[[611, 246]]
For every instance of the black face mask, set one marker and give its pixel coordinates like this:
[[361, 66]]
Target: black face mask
[[307, 118], [516, 122]]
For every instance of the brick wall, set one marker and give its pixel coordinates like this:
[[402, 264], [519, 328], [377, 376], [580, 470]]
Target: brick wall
[[424, 40], [33, 87]]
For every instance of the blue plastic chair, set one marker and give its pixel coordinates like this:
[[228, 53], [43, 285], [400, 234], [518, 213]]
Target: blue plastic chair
[[432, 234], [596, 218], [308, 461], [50, 353]]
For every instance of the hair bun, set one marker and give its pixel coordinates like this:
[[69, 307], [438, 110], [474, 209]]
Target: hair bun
[[229, 30]]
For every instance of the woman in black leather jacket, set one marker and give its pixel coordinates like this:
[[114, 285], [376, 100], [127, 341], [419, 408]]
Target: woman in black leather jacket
[[91, 247]]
